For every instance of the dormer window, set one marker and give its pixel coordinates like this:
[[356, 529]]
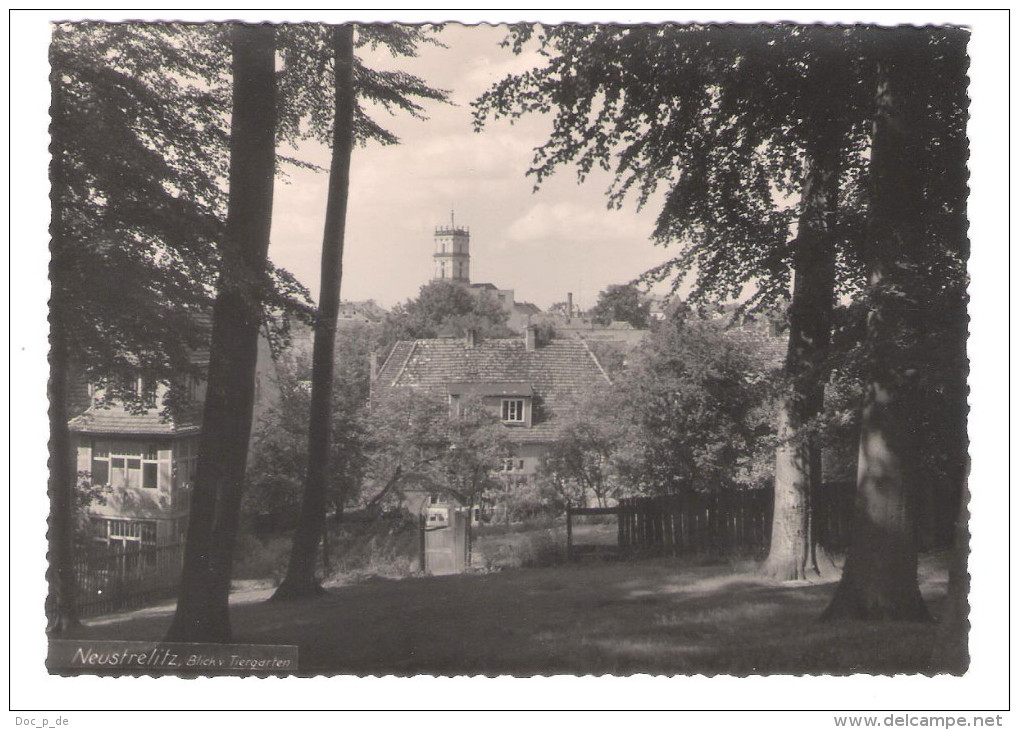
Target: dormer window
[[513, 410]]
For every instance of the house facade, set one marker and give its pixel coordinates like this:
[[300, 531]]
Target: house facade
[[532, 388], [145, 462]]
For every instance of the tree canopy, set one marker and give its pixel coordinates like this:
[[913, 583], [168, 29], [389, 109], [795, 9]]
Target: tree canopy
[[716, 118], [623, 303], [138, 159], [443, 309], [307, 81]]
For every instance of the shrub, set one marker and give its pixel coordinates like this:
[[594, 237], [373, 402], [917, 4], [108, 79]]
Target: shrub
[[542, 550], [261, 558], [388, 548], [499, 549]]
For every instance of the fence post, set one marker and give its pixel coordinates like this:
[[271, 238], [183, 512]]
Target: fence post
[[569, 533], [620, 516], [422, 522]]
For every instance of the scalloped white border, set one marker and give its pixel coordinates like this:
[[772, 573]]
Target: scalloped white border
[[35, 694]]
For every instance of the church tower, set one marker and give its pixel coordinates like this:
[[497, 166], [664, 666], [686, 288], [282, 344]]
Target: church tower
[[452, 253]]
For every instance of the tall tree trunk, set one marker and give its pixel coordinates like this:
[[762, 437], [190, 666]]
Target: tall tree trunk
[[879, 580], [952, 651], [61, 608], [793, 554], [300, 579], [203, 603]]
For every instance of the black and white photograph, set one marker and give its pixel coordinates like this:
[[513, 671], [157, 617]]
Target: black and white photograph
[[374, 351]]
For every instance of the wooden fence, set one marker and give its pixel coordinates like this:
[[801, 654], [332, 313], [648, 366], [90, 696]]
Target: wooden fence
[[725, 522], [731, 522], [125, 579]]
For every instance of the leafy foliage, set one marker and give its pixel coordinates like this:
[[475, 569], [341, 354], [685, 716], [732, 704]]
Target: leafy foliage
[[306, 82], [444, 309], [698, 409], [623, 303], [716, 118], [416, 441], [280, 439], [139, 138], [138, 157], [86, 494], [581, 460]]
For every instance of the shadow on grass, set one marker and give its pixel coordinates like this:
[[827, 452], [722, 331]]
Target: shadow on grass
[[662, 616]]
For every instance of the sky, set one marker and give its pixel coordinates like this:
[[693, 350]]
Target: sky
[[542, 244]]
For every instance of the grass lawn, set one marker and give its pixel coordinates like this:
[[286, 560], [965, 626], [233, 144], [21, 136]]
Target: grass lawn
[[663, 616]]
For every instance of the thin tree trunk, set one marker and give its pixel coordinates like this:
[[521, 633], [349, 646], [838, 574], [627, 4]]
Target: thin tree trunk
[[793, 554], [61, 607], [203, 604], [300, 579], [879, 580]]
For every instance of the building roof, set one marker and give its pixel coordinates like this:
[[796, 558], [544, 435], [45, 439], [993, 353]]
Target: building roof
[[526, 307], [558, 373], [484, 389], [760, 335], [115, 419]]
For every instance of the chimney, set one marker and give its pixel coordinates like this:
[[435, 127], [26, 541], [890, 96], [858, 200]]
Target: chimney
[[569, 305], [471, 340], [374, 364], [531, 337]]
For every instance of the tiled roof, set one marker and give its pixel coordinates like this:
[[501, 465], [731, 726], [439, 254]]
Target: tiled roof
[[526, 307], [484, 389], [757, 336], [115, 419], [560, 373]]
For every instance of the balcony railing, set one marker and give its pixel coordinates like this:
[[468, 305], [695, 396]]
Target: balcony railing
[[452, 231]]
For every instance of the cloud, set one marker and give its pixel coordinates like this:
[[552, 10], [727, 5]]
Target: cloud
[[565, 220], [560, 239]]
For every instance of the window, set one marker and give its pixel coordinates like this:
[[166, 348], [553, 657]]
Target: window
[[100, 465], [193, 388], [132, 542], [511, 464], [143, 388], [125, 534], [125, 464], [513, 410], [187, 462]]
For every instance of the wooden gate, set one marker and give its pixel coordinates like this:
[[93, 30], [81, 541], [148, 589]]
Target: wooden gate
[[444, 541]]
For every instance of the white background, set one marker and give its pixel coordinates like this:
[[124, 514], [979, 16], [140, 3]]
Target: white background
[[35, 694]]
